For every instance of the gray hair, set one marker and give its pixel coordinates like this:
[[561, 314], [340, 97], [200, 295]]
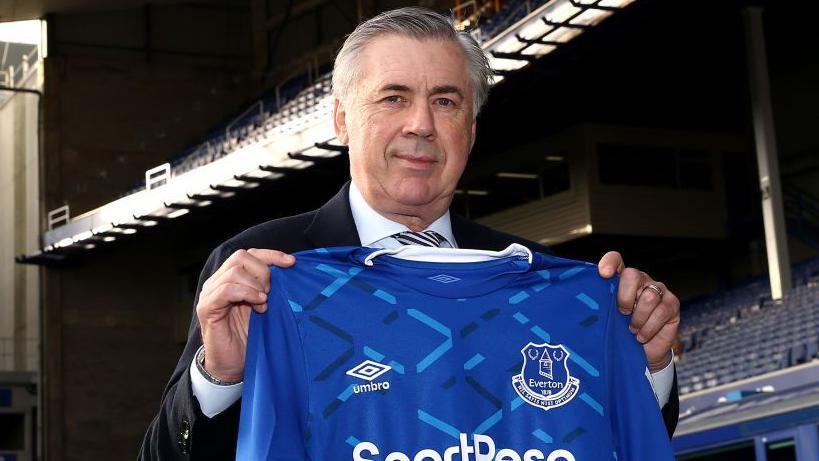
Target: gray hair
[[418, 23]]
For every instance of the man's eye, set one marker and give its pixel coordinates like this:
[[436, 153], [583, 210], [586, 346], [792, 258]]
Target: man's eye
[[445, 102], [394, 99]]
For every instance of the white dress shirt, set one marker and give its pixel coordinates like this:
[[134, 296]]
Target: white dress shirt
[[374, 230]]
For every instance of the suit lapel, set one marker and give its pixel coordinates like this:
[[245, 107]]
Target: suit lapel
[[333, 225], [467, 234]]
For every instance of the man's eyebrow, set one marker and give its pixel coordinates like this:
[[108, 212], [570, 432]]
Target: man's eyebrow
[[394, 87], [441, 89], [446, 89]]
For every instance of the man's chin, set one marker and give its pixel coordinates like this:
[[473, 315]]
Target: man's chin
[[413, 194]]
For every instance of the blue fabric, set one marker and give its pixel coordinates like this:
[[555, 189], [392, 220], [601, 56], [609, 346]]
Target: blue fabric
[[423, 361]]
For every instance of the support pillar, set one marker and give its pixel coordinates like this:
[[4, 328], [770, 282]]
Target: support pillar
[[773, 211]]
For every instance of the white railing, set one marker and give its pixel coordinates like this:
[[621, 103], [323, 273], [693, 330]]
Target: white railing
[[19, 76]]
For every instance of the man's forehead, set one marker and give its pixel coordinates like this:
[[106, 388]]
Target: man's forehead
[[416, 64]]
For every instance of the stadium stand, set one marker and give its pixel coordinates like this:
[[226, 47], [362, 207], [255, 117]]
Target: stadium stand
[[743, 333], [295, 100], [510, 13]]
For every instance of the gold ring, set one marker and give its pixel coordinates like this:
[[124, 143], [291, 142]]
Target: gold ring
[[656, 289]]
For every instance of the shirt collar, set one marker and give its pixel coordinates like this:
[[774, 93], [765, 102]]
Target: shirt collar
[[372, 226]]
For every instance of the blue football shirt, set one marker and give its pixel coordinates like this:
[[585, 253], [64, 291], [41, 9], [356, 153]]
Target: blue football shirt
[[363, 355]]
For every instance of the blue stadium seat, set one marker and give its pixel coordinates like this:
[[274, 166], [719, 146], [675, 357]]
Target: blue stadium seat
[[741, 333]]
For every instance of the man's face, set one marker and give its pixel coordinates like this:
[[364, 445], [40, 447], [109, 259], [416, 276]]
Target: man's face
[[409, 125]]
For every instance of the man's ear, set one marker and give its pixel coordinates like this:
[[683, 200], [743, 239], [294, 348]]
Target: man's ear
[[474, 125], [340, 122]]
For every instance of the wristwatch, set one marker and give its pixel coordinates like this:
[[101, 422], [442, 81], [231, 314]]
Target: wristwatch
[[200, 365]]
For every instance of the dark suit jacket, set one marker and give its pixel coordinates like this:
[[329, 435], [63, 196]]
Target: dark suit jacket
[[180, 430]]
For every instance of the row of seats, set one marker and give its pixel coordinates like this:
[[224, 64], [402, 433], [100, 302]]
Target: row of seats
[[743, 333], [298, 106], [249, 128]]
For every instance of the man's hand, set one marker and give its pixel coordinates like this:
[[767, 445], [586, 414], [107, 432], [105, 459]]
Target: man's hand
[[653, 320], [241, 283]]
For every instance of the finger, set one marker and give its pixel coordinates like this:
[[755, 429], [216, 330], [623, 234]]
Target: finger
[[275, 257], [630, 281], [228, 294], [257, 267], [237, 274], [262, 259], [237, 258], [658, 318], [671, 304], [658, 347], [260, 308], [647, 302], [610, 263]]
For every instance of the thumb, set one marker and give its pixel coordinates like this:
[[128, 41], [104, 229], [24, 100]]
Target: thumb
[[610, 263], [275, 257]]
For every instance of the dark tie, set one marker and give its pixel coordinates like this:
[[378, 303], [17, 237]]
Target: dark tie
[[427, 238]]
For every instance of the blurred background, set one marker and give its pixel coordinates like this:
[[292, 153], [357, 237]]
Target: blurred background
[[137, 135]]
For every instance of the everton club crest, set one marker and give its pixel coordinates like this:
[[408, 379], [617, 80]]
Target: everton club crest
[[544, 380]]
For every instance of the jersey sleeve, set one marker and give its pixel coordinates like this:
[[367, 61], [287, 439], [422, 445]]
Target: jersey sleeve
[[273, 420], [636, 421]]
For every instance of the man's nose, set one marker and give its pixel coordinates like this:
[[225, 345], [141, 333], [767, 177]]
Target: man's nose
[[420, 121]]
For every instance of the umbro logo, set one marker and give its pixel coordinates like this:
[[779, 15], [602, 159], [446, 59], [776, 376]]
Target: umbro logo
[[368, 371], [444, 278]]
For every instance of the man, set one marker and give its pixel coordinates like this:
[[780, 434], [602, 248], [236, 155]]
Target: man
[[407, 89]]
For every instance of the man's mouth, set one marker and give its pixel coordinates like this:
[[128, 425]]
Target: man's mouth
[[417, 160]]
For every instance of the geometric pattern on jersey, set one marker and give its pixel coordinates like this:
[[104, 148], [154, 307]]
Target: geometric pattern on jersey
[[417, 360], [426, 238]]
